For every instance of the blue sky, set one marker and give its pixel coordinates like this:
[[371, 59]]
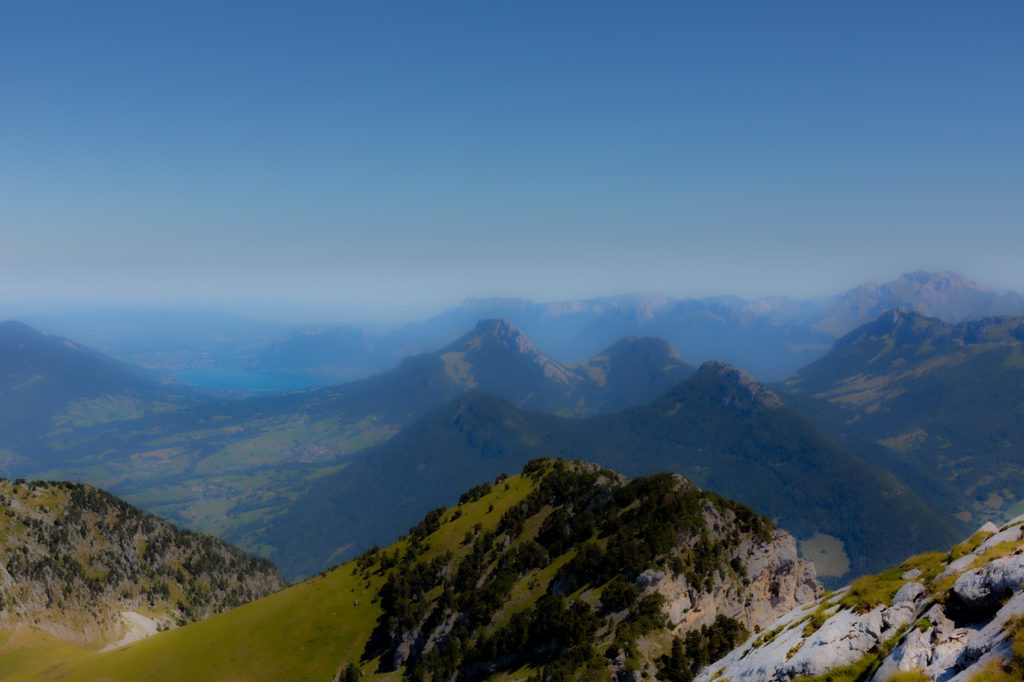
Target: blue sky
[[391, 158]]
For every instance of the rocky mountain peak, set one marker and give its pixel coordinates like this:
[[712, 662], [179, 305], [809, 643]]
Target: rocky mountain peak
[[939, 282], [900, 325], [742, 390], [505, 331], [510, 336]]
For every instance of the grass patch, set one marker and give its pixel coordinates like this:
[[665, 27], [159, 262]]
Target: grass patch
[[909, 676], [768, 637], [969, 545], [870, 591], [1003, 549], [304, 632], [859, 670], [815, 621]]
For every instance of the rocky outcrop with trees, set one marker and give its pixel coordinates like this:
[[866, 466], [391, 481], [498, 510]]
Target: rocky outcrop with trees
[[74, 560]]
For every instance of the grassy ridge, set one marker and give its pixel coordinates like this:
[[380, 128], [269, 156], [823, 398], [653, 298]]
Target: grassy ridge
[[535, 574], [305, 632]]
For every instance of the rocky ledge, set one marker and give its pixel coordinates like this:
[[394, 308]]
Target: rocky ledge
[[939, 616]]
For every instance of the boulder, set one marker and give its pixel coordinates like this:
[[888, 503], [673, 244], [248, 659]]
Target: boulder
[[844, 638], [1011, 534], [903, 607], [983, 589]]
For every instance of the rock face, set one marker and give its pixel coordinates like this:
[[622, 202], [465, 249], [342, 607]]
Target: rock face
[[948, 618], [588, 565], [76, 561], [746, 391], [774, 581]]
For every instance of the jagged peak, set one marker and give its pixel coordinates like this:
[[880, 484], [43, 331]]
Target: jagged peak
[[901, 316], [516, 340], [507, 332], [743, 386]]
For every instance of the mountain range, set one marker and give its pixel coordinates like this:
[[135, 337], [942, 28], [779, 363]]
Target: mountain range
[[770, 337], [231, 466], [940, 404], [904, 433], [719, 428], [219, 461], [568, 571]]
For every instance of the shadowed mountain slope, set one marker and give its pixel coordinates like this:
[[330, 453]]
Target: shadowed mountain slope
[[48, 382], [209, 466], [940, 404], [719, 428]]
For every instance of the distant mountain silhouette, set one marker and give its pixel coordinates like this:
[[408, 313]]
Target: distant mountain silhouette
[[770, 337], [941, 404], [48, 381], [209, 452], [719, 427], [944, 295]]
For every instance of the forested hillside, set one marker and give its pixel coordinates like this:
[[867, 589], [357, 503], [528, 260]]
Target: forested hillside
[[567, 571], [75, 560]]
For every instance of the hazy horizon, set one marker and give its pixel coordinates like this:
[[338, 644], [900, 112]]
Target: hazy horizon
[[384, 162], [312, 313]]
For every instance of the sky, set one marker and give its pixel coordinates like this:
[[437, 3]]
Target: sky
[[374, 159]]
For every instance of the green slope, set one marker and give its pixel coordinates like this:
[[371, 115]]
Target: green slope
[[523, 570], [941, 405], [718, 428]]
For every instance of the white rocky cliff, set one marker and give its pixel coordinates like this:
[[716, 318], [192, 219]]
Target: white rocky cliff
[[939, 616]]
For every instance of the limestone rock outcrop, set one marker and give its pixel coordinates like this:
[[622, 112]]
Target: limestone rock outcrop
[[944, 616]]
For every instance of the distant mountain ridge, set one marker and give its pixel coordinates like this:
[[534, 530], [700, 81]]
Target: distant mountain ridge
[[202, 460], [940, 404], [47, 381], [771, 337], [718, 427], [947, 296]]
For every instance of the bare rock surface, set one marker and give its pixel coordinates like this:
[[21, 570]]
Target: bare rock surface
[[947, 617]]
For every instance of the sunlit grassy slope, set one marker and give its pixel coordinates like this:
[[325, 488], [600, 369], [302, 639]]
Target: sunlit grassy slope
[[305, 632]]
